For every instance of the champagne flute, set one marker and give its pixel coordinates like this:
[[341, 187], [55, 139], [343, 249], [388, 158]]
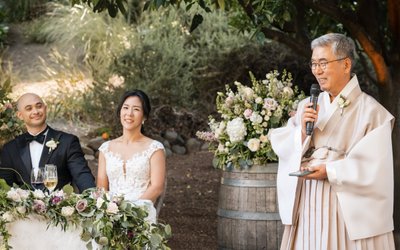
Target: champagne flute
[[50, 179], [37, 178]]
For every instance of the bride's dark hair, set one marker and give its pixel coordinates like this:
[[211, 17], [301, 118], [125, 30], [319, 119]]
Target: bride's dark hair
[[144, 99]]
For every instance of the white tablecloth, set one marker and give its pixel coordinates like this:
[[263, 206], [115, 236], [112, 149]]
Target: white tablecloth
[[33, 234]]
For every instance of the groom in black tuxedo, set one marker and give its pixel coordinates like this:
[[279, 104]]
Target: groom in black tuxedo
[[43, 145]]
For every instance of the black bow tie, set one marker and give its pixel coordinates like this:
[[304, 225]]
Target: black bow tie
[[39, 138]]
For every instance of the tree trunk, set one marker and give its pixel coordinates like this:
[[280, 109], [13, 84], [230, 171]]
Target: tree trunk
[[391, 100]]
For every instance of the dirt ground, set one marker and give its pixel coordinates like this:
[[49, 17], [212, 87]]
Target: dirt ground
[[191, 201]]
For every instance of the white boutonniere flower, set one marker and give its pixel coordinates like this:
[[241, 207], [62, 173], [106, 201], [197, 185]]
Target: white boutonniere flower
[[342, 103], [52, 144]]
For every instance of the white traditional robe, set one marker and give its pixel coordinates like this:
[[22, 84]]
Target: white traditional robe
[[355, 203]]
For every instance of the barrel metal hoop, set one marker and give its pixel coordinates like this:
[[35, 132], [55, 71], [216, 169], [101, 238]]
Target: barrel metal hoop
[[271, 168], [241, 215], [247, 183]]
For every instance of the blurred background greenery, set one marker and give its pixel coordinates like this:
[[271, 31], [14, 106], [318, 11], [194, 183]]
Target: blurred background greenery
[[96, 57]]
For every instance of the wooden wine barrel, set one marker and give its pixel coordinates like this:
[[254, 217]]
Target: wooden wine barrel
[[248, 215]]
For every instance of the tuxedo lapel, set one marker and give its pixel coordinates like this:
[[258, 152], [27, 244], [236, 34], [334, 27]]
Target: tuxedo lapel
[[46, 153], [25, 154]]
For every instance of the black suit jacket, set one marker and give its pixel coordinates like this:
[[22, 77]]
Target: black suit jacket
[[67, 156]]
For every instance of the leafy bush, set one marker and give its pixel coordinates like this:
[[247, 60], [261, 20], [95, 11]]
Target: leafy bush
[[157, 54], [22, 10], [10, 125]]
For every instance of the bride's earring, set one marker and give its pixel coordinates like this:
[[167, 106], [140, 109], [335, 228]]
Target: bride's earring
[[143, 122]]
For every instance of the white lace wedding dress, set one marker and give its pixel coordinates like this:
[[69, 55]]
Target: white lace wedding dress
[[134, 182]]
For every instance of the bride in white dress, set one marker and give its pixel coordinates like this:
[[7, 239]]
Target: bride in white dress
[[133, 165]]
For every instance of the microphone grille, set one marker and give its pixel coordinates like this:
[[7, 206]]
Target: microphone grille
[[314, 89]]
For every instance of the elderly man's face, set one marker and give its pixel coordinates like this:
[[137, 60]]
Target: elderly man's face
[[336, 73], [32, 110]]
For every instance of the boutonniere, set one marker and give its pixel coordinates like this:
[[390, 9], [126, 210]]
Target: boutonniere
[[52, 144], [342, 103]]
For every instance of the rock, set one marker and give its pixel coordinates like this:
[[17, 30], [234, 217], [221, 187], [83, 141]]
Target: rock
[[90, 157], [168, 152], [166, 144], [87, 151], [157, 138], [179, 140], [180, 150], [93, 165], [205, 146], [95, 143], [193, 145], [171, 136]]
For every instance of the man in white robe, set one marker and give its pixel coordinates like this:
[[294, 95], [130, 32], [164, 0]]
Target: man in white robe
[[347, 202]]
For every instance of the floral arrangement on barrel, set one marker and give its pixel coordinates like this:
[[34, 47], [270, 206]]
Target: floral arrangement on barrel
[[111, 222], [239, 140]]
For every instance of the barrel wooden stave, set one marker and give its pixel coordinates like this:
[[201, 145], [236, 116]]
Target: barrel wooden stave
[[247, 214]]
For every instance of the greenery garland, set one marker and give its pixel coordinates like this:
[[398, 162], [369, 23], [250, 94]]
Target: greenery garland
[[111, 222]]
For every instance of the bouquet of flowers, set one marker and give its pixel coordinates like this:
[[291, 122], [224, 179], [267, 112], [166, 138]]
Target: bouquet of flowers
[[247, 115], [111, 222]]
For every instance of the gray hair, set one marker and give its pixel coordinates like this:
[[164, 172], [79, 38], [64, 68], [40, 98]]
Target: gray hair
[[342, 46]]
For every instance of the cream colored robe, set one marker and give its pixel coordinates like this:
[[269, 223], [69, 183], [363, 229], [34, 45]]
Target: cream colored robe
[[361, 176]]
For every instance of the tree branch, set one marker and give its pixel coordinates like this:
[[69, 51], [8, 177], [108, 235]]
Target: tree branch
[[297, 45]]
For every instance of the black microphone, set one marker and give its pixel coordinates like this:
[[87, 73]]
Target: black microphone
[[314, 92]]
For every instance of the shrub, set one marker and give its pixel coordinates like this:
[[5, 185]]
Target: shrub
[[10, 125]]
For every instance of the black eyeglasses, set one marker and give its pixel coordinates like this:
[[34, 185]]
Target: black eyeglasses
[[322, 64]]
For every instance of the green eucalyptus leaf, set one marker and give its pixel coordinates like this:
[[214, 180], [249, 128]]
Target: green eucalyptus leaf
[[68, 189], [155, 239], [4, 186], [168, 230]]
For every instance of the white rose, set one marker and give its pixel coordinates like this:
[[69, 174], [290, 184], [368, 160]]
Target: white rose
[[112, 208], [256, 118], [99, 202], [236, 130], [38, 194], [259, 100], [270, 103], [253, 144], [24, 194], [13, 195], [248, 93], [288, 91], [67, 211], [21, 209], [7, 216]]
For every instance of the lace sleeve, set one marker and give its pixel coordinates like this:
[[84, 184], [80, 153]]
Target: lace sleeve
[[155, 145], [104, 147]]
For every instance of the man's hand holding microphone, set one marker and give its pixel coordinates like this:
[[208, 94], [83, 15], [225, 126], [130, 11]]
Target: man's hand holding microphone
[[308, 119]]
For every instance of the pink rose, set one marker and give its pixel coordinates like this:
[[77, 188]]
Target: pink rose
[[81, 205], [247, 113]]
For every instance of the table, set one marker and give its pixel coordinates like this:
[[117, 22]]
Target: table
[[32, 233]]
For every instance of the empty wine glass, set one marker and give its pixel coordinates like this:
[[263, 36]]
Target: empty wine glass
[[50, 176], [37, 178]]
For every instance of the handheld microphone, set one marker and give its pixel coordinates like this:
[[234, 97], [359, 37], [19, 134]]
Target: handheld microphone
[[314, 92]]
